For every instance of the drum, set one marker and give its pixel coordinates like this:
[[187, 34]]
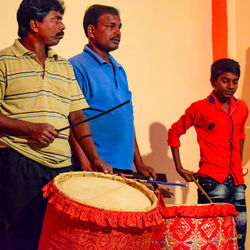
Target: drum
[[209, 226], [89, 210]]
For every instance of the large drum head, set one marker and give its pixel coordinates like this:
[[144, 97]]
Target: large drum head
[[105, 191]]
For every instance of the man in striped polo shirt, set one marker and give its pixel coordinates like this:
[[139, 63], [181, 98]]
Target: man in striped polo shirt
[[39, 94]]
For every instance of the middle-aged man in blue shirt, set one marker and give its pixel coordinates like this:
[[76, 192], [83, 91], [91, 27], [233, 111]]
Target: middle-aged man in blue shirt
[[104, 85]]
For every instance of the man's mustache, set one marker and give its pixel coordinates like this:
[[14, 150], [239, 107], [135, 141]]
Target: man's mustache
[[61, 33], [116, 38]]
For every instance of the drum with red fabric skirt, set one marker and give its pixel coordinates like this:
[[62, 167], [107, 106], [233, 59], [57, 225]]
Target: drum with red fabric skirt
[[200, 227], [89, 210]]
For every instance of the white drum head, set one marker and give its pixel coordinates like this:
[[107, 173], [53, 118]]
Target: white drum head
[[103, 191]]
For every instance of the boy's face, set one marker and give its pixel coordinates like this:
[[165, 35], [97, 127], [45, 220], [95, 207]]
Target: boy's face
[[226, 84]]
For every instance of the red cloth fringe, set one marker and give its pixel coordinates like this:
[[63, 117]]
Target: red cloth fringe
[[101, 217], [200, 211]]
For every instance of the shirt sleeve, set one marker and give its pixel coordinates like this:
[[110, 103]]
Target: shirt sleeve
[[80, 77], [78, 100], [245, 115], [2, 83], [181, 126]]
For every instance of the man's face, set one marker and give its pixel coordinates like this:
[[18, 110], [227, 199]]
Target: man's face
[[106, 35], [226, 84], [50, 30]]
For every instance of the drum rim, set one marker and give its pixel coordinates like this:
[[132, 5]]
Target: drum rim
[[199, 210], [146, 191]]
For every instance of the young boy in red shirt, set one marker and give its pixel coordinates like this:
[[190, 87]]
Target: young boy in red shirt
[[219, 121]]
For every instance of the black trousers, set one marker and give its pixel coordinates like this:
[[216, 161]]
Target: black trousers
[[22, 206]]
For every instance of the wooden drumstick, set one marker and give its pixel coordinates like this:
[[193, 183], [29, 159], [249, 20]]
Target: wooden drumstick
[[201, 189]]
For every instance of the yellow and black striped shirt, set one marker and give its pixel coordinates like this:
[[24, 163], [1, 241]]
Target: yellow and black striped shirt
[[41, 95]]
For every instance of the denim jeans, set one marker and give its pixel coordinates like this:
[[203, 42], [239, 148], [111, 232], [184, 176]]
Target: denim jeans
[[227, 192]]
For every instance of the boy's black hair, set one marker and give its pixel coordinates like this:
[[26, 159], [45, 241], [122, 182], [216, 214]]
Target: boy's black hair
[[224, 65]]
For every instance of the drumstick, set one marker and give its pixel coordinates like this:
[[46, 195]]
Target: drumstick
[[161, 182], [201, 189], [93, 117], [151, 181]]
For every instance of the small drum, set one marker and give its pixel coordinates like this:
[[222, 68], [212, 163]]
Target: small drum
[[89, 210], [198, 227]]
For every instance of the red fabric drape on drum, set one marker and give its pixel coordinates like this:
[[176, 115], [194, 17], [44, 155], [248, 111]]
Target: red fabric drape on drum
[[101, 217], [72, 225]]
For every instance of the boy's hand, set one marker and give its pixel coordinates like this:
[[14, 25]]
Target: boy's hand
[[186, 174]]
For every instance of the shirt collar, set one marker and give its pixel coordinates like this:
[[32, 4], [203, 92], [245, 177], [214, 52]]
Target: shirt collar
[[214, 101], [99, 59], [19, 50]]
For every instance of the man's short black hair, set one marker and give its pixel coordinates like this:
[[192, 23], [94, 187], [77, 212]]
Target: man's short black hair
[[93, 13], [35, 10], [222, 66]]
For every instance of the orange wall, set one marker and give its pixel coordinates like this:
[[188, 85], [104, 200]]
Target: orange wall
[[240, 49]]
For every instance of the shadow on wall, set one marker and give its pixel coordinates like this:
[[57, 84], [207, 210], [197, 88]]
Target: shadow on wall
[[161, 162], [246, 97]]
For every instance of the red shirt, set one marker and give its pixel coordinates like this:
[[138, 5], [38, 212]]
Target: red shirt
[[218, 134]]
